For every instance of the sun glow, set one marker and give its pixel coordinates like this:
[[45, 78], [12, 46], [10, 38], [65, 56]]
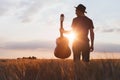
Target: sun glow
[[71, 36]]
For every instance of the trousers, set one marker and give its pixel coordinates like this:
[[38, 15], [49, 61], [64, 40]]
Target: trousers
[[81, 48]]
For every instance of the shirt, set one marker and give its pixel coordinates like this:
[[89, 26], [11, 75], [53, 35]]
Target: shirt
[[81, 25]]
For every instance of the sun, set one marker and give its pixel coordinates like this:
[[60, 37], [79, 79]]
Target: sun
[[71, 36]]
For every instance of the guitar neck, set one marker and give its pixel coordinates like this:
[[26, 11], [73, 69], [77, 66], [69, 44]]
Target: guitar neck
[[61, 27], [61, 24]]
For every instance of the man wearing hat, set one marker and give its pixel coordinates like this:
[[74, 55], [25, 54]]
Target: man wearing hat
[[82, 26]]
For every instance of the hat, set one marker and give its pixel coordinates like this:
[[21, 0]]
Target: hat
[[81, 7]]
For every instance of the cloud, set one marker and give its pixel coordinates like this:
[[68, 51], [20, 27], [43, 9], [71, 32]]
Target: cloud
[[28, 45], [50, 45], [107, 47], [108, 26], [4, 7], [118, 30], [23, 9], [111, 30], [43, 10], [108, 29], [30, 10]]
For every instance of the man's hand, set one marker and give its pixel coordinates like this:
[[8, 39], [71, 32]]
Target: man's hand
[[65, 31], [91, 48]]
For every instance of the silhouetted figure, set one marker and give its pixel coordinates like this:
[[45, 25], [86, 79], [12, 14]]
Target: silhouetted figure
[[82, 25]]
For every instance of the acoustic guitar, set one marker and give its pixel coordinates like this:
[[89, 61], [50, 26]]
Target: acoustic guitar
[[62, 49]]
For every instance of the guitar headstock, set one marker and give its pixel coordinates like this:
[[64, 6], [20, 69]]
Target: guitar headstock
[[62, 17]]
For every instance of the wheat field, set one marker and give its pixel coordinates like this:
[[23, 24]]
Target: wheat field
[[57, 69]]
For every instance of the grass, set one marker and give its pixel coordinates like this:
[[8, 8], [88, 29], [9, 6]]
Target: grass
[[57, 69]]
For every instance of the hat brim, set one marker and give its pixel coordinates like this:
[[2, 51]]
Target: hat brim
[[84, 11]]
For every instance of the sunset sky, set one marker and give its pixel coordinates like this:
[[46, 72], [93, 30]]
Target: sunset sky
[[30, 27]]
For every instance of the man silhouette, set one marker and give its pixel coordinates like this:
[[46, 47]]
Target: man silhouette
[[82, 25]]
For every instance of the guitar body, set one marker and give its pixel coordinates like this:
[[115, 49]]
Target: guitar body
[[62, 49]]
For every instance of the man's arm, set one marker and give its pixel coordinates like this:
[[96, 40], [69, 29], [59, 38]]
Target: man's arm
[[92, 39], [68, 31]]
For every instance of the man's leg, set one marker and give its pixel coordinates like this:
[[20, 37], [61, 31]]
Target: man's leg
[[86, 53], [76, 51], [86, 56], [76, 59]]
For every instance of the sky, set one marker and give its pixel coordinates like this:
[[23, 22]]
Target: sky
[[31, 27]]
